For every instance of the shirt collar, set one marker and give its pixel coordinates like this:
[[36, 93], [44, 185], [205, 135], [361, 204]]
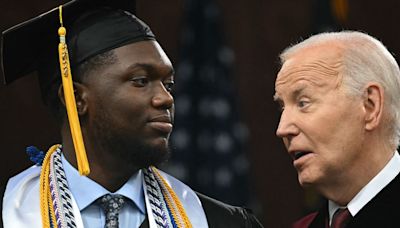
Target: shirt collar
[[132, 189], [369, 191]]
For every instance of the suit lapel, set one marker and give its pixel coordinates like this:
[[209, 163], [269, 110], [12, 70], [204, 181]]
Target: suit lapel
[[382, 210], [145, 223]]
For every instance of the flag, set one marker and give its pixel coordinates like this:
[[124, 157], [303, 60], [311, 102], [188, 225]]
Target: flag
[[208, 139]]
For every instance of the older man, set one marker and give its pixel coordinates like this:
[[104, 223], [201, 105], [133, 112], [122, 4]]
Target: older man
[[340, 122]]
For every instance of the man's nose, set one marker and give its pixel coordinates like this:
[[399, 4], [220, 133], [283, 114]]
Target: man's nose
[[162, 98], [287, 125]]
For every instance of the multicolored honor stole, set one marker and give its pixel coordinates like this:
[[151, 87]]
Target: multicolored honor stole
[[164, 209]]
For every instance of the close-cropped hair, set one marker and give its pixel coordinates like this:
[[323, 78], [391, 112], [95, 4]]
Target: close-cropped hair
[[365, 59], [78, 74]]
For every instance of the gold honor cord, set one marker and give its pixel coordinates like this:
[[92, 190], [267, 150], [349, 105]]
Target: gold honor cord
[[180, 213], [81, 157], [45, 193]]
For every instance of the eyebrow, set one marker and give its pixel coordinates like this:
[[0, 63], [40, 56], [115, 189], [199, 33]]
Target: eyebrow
[[293, 95], [298, 91], [151, 68]]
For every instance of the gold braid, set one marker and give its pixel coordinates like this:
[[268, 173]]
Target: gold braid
[[175, 198], [45, 193]]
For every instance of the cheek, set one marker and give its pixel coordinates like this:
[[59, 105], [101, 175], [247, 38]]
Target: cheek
[[120, 111], [341, 138]]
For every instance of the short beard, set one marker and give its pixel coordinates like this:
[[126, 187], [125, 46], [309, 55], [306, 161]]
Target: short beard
[[130, 151]]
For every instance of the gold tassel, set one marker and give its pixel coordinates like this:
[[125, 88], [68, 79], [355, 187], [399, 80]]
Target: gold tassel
[[81, 157]]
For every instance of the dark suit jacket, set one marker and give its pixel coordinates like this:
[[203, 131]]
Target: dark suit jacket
[[381, 212], [220, 215]]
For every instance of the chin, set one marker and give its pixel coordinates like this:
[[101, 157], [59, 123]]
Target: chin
[[153, 155], [305, 184], [161, 143], [306, 181]]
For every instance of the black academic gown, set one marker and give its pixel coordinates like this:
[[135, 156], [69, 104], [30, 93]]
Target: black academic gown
[[381, 212], [220, 215]]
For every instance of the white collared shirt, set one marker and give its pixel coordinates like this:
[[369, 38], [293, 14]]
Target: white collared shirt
[[86, 192], [21, 201], [369, 191]]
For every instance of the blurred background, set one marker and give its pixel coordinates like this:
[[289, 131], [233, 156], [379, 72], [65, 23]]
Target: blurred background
[[226, 57]]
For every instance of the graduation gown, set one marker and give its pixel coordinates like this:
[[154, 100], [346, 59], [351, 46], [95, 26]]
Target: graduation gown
[[217, 213], [381, 211], [221, 215]]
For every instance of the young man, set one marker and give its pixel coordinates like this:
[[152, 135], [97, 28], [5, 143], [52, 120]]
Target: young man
[[116, 116], [340, 123]]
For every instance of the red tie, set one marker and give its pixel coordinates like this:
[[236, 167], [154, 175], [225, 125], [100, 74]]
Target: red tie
[[340, 218]]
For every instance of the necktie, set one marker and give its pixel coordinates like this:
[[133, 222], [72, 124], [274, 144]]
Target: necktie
[[341, 218], [111, 205]]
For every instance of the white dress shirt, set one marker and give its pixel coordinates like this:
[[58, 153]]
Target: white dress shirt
[[22, 205], [86, 192]]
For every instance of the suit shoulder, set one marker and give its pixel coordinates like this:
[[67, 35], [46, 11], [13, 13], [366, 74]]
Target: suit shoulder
[[220, 214]]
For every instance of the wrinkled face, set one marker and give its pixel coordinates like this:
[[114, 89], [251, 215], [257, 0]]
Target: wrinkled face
[[131, 106], [321, 126]]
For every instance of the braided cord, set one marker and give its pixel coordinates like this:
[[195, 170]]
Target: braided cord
[[172, 209], [157, 203], [176, 201], [65, 194], [55, 197], [54, 191], [45, 196], [62, 201], [52, 203]]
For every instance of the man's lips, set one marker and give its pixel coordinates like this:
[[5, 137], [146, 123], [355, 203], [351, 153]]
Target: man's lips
[[298, 154], [161, 123]]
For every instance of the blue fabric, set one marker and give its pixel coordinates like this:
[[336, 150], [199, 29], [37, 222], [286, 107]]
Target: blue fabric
[[35, 155], [131, 215]]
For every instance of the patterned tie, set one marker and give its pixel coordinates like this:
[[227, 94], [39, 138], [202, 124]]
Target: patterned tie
[[111, 205], [340, 218]]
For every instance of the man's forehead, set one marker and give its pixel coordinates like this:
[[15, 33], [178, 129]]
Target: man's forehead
[[317, 73], [325, 52], [142, 49], [295, 87], [314, 63], [306, 76], [145, 53], [144, 57]]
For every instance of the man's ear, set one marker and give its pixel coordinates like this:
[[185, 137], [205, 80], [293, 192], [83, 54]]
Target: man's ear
[[81, 94], [373, 105]]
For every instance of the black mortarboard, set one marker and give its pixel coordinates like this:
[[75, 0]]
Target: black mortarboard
[[92, 26], [25, 45]]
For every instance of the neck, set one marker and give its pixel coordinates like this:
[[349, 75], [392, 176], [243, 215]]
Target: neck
[[104, 167], [375, 156]]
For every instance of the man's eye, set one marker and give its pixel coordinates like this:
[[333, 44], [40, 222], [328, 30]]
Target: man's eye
[[302, 103], [169, 85], [140, 81]]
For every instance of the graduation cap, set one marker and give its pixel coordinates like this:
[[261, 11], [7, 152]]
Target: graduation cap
[[92, 27]]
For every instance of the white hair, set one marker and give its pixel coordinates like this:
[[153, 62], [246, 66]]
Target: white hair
[[365, 59]]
